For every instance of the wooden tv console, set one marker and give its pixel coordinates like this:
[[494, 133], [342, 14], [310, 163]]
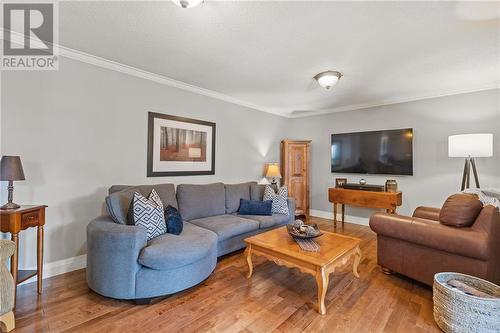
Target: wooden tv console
[[362, 198]]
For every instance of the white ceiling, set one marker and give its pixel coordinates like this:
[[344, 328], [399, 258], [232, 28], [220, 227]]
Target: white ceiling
[[266, 53]]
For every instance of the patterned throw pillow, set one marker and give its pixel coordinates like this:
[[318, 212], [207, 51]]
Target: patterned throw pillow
[[280, 205], [148, 213]]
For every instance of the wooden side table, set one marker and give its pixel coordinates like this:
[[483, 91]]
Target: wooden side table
[[16, 220]]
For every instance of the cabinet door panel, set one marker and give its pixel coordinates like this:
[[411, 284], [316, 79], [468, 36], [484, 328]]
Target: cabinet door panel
[[298, 192]]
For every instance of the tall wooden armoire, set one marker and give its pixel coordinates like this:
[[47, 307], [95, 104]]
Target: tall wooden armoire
[[295, 172]]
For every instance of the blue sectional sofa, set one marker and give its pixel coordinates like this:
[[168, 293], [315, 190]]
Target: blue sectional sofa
[[122, 264]]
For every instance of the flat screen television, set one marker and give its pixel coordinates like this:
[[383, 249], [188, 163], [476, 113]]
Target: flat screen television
[[388, 152]]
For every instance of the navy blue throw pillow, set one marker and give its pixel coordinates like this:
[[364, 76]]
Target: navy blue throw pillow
[[173, 220], [251, 207]]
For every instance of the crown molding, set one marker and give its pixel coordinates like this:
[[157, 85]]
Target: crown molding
[[390, 102], [134, 71], [164, 80], [91, 59]]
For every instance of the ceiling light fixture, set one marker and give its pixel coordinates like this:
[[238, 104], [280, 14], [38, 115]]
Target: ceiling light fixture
[[187, 3], [328, 79]]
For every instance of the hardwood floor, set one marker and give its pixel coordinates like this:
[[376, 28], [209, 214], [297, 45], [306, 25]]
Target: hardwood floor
[[276, 299]]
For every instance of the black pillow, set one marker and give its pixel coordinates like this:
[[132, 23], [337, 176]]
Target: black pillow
[[173, 220], [252, 207]]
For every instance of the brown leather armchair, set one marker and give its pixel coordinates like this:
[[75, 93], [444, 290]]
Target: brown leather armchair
[[421, 246]]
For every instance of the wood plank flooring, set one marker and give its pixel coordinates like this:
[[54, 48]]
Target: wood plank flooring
[[277, 299]]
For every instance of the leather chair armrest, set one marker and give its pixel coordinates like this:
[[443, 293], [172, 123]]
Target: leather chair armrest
[[461, 241], [428, 213], [112, 257]]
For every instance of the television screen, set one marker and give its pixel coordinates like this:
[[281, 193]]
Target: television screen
[[387, 152]]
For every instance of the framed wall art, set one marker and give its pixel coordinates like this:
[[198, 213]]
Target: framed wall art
[[179, 146]]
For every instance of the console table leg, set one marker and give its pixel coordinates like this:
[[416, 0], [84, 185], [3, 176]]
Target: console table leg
[[39, 261], [343, 214], [335, 215]]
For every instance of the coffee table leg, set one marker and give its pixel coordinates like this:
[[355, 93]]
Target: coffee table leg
[[357, 260], [322, 279], [248, 255]]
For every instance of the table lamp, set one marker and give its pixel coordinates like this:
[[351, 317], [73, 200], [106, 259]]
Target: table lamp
[[273, 172], [470, 146], [11, 169]]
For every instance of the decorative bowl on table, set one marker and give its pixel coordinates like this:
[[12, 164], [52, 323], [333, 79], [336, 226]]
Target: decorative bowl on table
[[301, 230]]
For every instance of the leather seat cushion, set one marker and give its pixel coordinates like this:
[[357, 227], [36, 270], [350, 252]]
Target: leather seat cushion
[[460, 210]]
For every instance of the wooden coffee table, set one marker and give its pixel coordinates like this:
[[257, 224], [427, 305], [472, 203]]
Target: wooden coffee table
[[277, 245]]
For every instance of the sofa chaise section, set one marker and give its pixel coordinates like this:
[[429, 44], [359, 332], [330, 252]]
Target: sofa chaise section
[[122, 264]]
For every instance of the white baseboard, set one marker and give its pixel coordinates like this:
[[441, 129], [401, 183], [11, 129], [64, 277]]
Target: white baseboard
[[348, 218], [61, 266]]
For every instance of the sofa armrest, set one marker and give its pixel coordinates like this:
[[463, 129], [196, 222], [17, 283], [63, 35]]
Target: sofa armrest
[[428, 213], [112, 257], [462, 241], [291, 209]]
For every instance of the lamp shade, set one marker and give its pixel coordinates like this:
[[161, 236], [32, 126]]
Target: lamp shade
[[470, 145], [273, 171], [11, 168]]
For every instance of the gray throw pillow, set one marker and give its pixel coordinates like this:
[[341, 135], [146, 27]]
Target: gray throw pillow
[[148, 213], [280, 204]]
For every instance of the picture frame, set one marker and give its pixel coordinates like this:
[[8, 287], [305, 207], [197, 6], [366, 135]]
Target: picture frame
[[179, 146]]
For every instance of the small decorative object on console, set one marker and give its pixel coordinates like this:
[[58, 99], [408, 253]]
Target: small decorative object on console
[[391, 185], [362, 181], [340, 182]]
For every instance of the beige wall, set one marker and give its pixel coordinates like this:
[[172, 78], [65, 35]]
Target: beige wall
[[83, 128], [433, 120]]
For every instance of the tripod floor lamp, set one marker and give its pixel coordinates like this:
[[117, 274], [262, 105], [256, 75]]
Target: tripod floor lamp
[[470, 146]]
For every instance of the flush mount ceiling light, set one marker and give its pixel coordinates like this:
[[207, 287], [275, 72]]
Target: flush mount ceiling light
[[328, 79], [187, 3]]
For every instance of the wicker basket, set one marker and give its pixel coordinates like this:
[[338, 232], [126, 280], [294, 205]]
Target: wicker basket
[[457, 312]]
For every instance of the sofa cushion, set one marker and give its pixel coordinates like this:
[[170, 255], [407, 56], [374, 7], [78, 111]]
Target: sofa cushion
[[235, 192], [198, 201], [251, 207], [227, 226], [460, 210], [257, 192], [120, 197], [170, 251], [269, 221]]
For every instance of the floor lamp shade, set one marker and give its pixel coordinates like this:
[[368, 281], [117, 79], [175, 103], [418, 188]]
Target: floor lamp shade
[[470, 146]]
